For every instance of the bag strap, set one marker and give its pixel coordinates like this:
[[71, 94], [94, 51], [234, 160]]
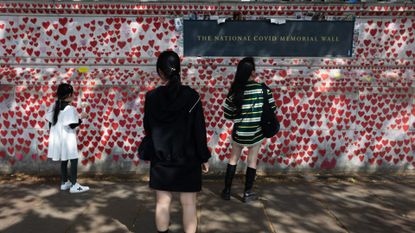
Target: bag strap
[[194, 105], [252, 107], [265, 94]]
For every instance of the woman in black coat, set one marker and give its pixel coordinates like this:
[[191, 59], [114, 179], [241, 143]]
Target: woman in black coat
[[173, 116]]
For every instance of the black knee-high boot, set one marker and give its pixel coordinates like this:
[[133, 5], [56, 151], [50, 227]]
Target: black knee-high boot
[[249, 195], [230, 172]]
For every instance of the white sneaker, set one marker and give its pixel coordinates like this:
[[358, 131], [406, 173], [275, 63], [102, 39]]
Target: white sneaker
[[77, 188], [67, 185]]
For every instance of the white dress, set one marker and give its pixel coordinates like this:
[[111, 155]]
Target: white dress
[[62, 139]]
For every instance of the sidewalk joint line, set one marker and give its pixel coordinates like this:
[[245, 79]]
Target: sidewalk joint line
[[267, 216], [325, 207]]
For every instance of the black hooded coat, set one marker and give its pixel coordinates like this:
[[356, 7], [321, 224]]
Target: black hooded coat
[[177, 127]]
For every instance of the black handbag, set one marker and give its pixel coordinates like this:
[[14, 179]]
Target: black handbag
[[269, 122], [146, 148]]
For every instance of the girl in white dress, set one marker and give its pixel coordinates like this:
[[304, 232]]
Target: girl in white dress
[[63, 120]]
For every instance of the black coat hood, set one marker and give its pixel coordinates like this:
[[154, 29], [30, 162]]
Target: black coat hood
[[168, 108]]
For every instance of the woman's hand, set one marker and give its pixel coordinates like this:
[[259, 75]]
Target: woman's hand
[[205, 167]]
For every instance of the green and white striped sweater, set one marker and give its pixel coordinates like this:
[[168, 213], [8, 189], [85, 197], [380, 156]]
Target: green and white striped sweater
[[249, 131]]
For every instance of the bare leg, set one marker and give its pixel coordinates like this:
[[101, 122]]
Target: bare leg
[[236, 152], [163, 210], [253, 155], [188, 201]]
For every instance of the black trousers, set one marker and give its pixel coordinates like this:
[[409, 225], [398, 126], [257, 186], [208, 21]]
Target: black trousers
[[73, 171]]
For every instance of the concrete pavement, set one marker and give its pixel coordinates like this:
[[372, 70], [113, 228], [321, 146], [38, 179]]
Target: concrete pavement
[[286, 205]]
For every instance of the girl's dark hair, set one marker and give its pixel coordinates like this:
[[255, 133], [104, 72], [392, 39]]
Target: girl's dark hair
[[64, 90], [169, 64], [243, 72]]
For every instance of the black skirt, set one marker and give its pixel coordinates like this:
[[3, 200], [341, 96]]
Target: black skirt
[[176, 178]]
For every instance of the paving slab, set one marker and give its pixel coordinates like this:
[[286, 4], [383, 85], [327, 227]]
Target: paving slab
[[111, 208], [217, 215], [291, 209], [25, 208], [394, 196], [359, 210], [283, 207]]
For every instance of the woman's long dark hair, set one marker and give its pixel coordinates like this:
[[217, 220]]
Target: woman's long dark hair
[[64, 90], [169, 64], [243, 72]]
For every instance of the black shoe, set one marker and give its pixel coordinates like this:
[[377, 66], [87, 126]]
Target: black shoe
[[249, 196], [226, 194]]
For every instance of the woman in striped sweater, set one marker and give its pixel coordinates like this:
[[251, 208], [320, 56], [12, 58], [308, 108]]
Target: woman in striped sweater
[[243, 105]]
